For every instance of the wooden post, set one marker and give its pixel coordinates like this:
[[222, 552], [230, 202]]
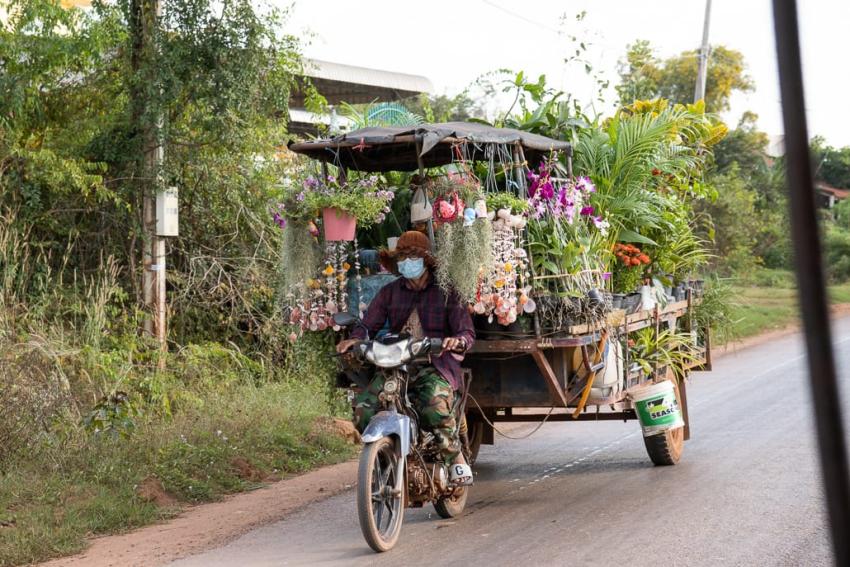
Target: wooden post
[[154, 265]]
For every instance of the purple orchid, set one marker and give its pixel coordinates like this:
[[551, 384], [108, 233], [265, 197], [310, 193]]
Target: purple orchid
[[585, 184], [586, 211]]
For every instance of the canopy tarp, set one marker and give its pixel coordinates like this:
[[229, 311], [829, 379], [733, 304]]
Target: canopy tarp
[[395, 149]]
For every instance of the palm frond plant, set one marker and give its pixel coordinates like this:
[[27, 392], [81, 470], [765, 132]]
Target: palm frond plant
[[380, 114], [652, 351]]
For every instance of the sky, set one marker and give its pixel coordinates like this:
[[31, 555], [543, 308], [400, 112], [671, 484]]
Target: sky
[[451, 42]]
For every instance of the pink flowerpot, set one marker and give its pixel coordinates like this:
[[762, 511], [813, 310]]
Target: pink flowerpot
[[339, 225]]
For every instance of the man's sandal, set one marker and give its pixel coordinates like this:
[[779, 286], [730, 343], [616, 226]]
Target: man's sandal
[[461, 475]]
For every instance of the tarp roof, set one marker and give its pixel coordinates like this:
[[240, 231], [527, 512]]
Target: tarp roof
[[394, 149]]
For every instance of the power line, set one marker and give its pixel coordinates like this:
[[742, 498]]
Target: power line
[[521, 17]]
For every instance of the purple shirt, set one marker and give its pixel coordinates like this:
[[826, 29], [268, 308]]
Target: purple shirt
[[441, 316]]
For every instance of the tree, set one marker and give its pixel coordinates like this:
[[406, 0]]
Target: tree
[[645, 76], [71, 141], [640, 74], [745, 145], [832, 165], [444, 108]]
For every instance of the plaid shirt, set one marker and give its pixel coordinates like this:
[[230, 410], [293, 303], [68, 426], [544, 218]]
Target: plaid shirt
[[440, 316]]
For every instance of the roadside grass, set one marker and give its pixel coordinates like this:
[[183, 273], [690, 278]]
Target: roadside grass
[[767, 300], [229, 429]]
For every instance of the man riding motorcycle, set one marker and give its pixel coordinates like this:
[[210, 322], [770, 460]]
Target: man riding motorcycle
[[415, 304]]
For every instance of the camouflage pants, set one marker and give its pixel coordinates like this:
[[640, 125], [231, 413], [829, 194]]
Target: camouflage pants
[[432, 397]]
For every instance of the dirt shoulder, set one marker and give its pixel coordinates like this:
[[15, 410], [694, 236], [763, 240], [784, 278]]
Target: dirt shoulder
[[209, 525]]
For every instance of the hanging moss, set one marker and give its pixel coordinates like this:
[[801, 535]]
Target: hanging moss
[[300, 255], [462, 254]]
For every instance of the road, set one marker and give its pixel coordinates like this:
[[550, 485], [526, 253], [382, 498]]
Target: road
[[747, 491]]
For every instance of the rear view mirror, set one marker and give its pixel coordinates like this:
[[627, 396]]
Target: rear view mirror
[[344, 319]]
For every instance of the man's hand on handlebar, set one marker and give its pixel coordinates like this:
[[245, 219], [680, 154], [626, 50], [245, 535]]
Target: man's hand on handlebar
[[454, 344], [345, 345]]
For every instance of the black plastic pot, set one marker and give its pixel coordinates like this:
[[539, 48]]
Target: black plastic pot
[[617, 300], [631, 302], [487, 330]]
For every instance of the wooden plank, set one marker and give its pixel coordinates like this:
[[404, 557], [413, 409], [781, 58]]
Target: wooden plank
[[549, 375], [580, 335], [569, 342], [683, 401], [504, 346], [624, 415]]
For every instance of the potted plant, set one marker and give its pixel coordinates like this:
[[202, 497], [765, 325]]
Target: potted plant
[[666, 349], [566, 240], [628, 274], [346, 205]]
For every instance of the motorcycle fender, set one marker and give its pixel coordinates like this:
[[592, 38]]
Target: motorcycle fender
[[386, 423]]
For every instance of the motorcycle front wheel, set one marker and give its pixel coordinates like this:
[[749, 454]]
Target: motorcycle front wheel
[[452, 506], [380, 506]]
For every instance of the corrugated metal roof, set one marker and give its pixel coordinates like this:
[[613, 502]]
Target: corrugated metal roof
[[837, 192], [317, 69]]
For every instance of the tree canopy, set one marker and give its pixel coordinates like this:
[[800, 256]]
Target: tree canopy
[[77, 96], [644, 76], [831, 165]]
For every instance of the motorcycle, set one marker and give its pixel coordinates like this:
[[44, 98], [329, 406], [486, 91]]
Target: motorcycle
[[400, 465]]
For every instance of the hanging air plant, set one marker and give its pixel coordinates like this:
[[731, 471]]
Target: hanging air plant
[[464, 254], [300, 252]]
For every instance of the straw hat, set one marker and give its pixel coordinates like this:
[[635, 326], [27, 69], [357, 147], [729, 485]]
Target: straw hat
[[412, 243]]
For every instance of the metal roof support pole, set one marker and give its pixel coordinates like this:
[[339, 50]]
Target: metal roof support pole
[[421, 166], [810, 281]]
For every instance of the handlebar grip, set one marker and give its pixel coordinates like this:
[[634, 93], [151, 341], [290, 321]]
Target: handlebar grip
[[435, 345]]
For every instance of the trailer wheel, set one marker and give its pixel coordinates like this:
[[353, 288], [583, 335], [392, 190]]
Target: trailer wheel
[[666, 448], [475, 432]]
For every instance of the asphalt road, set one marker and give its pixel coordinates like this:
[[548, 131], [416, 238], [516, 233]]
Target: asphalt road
[[747, 491]]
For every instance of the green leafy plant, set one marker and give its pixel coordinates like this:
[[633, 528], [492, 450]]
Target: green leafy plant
[[113, 415], [506, 200], [668, 348], [629, 268], [715, 310]]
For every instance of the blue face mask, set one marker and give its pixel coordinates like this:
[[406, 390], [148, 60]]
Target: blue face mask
[[411, 268]]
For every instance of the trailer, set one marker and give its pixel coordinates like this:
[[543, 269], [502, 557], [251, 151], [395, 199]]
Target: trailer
[[579, 372]]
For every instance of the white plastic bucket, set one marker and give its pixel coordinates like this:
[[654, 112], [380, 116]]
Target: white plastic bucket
[[657, 408]]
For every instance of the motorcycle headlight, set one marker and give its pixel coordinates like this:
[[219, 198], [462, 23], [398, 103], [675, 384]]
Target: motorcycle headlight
[[389, 356]]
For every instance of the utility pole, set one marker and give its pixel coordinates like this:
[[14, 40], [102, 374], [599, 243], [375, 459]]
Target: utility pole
[[147, 14], [699, 91]]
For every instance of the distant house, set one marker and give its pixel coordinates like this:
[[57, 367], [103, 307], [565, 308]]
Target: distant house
[[828, 196]]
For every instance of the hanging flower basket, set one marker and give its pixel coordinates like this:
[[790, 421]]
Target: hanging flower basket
[[338, 224]]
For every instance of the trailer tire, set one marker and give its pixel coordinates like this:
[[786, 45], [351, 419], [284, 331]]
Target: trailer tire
[[665, 449], [475, 433]]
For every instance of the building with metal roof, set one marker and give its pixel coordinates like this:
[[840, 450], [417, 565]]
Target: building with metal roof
[[339, 83]]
